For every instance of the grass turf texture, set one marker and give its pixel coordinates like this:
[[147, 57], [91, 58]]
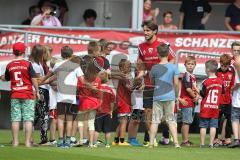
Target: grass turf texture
[[113, 153]]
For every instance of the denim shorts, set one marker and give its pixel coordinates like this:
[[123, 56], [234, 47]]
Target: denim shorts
[[187, 115], [235, 114], [208, 122]]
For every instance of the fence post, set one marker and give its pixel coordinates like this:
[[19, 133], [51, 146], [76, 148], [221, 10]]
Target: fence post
[[26, 44]]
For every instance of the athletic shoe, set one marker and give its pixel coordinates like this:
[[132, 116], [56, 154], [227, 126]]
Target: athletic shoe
[[99, 142], [217, 142], [187, 144], [164, 141], [107, 146], [124, 144], [134, 142], [202, 146], [176, 145], [234, 144], [146, 143], [53, 142], [211, 146], [155, 144], [114, 143], [92, 146], [45, 143], [227, 142]]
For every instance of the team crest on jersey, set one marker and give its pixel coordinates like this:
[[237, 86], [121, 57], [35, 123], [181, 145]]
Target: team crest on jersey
[[144, 52], [150, 50]]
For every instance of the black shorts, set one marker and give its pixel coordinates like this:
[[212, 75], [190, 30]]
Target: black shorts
[[148, 97], [137, 114], [103, 123], [67, 109]]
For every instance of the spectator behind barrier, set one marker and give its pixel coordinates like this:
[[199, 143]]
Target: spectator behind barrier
[[47, 17], [194, 14], [89, 17], [232, 16], [33, 11], [149, 13], [167, 21]]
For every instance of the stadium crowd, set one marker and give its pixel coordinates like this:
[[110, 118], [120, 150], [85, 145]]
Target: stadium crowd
[[73, 96], [194, 14]]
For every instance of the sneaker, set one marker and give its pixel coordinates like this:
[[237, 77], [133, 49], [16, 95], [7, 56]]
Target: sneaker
[[234, 144], [114, 143], [124, 144], [45, 143], [107, 146], [134, 142], [92, 146], [53, 142], [146, 143], [99, 142], [164, 141], [187, 144], [211, 146], [226, 142], [217, 142], [176, 145], [202, 146], [155, 144]]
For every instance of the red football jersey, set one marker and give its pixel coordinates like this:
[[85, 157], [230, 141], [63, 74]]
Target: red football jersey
[[211, 91], [123, 98], [20, 72], [148, 54], [108, 98], [89, 99], [188, 81], [228, 79]]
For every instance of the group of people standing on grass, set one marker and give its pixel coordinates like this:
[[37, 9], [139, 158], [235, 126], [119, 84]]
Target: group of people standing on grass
[[74, 94]]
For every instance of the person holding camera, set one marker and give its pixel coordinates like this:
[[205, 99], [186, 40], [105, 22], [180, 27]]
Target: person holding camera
[[47, 17]]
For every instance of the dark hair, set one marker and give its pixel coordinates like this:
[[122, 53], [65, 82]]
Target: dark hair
[[225, 59], [32, 8], [92, 47], [49, 3], [163, 50], [89, 69], [89, 13], [37, 53], [150, 24], [212, 65], [236, 43], [167, 12], [66, 52]]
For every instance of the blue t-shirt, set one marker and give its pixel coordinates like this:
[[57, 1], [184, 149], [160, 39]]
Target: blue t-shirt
[[163, 76]]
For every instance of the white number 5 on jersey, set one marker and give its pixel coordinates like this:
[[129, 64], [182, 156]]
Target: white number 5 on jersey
[[17, 78]]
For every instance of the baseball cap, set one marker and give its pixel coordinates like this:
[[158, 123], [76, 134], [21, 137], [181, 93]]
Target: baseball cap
[[19, 47]]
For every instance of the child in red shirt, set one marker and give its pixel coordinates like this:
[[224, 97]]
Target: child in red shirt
[[211, 92], [123, 102], [227, 74], [90, 99], [104, 112]]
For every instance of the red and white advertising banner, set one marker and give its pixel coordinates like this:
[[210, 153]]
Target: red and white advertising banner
[[217, 43]]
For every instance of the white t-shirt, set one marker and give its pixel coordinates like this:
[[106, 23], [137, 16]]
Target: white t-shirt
[[137, 99], [67, 73], [38, 68], [236, 92]]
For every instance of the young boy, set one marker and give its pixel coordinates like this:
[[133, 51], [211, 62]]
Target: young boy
[[227, 74], [211, 92], [123, 103], [165, 79], [190, 94], [22, 77], [235, 113], [104, 112]]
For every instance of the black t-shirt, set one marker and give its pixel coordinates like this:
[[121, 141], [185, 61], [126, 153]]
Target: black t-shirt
[[233, 12], [26, 22], [193, 13]]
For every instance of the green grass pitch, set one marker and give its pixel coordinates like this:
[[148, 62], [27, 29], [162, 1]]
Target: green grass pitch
[[114, 153]]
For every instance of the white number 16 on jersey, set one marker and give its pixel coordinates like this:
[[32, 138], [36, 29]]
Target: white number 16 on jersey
[[212, 97]]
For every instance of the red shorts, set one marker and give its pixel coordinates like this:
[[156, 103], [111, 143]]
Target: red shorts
[[53, 114]]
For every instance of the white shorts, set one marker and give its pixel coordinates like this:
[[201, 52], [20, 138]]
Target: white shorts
[[52, 99]]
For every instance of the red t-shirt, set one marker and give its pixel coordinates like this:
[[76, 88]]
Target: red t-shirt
[[123, 98], [20, 72], [108, 98], [89, 99], [211, 91], [188, 81], [148, 54], [228, 79]]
